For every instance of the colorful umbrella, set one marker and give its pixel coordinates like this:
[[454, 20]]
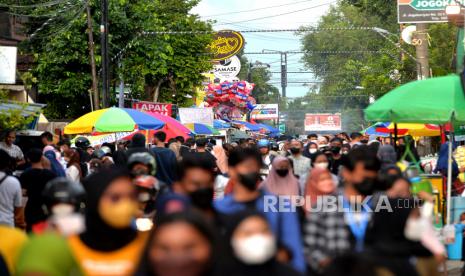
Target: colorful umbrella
[[412, 129], [202, 129], [372, 130], [172, 127], [113, 120], [220, 124]]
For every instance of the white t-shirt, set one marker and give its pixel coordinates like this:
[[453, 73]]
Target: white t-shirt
[[10, 198], [72, 173]]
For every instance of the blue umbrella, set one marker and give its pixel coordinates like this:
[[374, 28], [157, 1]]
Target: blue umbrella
[[372, 130], [269, 128], [220, 124]]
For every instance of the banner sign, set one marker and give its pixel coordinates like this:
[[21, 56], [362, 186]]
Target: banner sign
[[265, 112], [226, 44], [8, 64], [323, 122], [160, 108], [228, 68], [423, 11], [96, 140], [196, 115]]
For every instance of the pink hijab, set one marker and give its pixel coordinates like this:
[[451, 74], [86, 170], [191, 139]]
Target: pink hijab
[[288, 185], [221, 158], [311, 186]]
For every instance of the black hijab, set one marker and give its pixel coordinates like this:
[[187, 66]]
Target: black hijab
[[229, 265], [307, 153], [98, 234]]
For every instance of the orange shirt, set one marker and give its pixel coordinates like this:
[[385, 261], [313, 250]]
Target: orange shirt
[[121, 262]]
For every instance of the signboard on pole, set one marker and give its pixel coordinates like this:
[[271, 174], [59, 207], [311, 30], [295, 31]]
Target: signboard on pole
[[265, 112], [423, 11], [160, 108], [228, 68], [323, 122], [8, 64], [226, 44], [282, 128], [196, 115]]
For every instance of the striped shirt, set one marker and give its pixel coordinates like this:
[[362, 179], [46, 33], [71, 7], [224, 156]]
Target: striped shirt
[[14, 151]]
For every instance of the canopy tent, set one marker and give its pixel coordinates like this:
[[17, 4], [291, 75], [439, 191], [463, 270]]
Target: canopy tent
[[24, 109], [201, 129], [432, 101], [220, 124], [247, 125], [269, 128], [113, 120]]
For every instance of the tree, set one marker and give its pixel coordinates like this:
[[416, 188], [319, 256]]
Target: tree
[[165, 67], [14, 118]]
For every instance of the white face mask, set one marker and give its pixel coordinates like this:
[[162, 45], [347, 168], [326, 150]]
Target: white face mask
[[312, 150], [415, 228], [256, 249], [62, 209], [323, 165]]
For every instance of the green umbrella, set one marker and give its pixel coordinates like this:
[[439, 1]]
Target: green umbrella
[[431, 101]]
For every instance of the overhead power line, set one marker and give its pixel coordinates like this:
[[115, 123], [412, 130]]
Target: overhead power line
[[258, 9], [38, 5]]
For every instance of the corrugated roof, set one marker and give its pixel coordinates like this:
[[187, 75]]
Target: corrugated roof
[[27, 109]]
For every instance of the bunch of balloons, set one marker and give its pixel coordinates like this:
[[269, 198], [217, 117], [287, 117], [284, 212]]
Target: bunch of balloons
[[230, 100]]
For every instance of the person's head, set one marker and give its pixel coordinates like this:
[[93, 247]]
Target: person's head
[[345, 149], [336, 146], [190, 142], [360, 170], [320, 160], [34, 156], [282, 166], [46, 138], [90, 150], [5, 161], [320, 182], [356, 137], [399, 187], [252, 240], [296, 147], [111, 199], [312, 148], [172, 141], [312, 137], [387, 154], [181, 244], [142, 163], [10, 137], [62, 196], [159, 137], [323, 141], [264, 146], [201, 143], [196, 179], [244, 167], [180, 139], [82, 142], [138, 141], [72, 157], [64, 145]]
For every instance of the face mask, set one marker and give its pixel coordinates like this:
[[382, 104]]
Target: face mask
[[312, 151], [62, 209], [366, 187], [323, 165], [120, 214], [282, 172], [414, 228], [249, 180], [345, 152], [295, 150], [202, 198], [140, 172], [256, 249], [67, 225], [336, 150], [178, 265]]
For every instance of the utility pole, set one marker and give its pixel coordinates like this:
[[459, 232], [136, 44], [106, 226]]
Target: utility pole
[[95, 96], [421, 42], [283, 73], [104, 45]]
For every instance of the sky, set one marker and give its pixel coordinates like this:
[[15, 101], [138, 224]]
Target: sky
[[282, 14]]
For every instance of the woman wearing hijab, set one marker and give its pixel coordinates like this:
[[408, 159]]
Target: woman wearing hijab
[[250, 248], [108, 246], [281, 181], [310, 150], [55, 166], [319, 183], [182, 244]]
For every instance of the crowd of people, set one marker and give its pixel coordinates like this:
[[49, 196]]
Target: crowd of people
[[204, 207]]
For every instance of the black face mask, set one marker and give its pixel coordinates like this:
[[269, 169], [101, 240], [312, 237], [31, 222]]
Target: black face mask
[[249, 180], [202, 198], [295, 150], [282, 172], [366, 187], [336, 150]]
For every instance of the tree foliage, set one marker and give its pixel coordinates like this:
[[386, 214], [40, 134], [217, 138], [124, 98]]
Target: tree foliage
[[13, 118], [170, 63]]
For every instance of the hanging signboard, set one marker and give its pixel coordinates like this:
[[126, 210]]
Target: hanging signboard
[[228, 68], [196, 115], [160, 108], [423, 11], [225, 44], [323, 122], [8, 64], [265, 112]]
